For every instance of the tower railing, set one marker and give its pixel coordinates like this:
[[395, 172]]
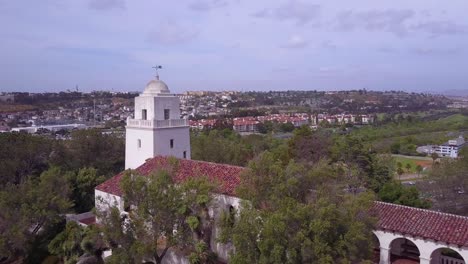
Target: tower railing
[[157, 123]]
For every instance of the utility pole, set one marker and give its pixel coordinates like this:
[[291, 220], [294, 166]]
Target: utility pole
[[94, 111]]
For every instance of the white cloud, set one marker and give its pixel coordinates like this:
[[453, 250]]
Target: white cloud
[[295, 42], [171, 33], [298, 11], [106, 4], [390, 20], [206, 5]]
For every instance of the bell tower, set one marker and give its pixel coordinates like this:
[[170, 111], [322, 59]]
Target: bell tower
[[156, 128]]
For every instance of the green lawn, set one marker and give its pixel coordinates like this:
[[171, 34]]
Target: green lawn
[[413, 162]]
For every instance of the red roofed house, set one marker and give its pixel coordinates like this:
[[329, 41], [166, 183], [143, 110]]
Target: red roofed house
[[403, 234], [245, 124]]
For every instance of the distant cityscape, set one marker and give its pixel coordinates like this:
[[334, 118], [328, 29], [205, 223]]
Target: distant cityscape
[[246, 112]]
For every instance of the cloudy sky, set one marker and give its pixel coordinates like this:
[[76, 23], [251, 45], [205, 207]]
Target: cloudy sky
[[53, 45]]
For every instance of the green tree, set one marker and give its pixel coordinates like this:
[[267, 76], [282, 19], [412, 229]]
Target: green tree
[[450, 176], [286, 127], [382, 171], [434, 157], [91, 148], [75, 242], [66, 244], [400, 172], [30, 208], [309, 146], [419, 169], [351, 150], [227, 146], [394, 192], [162, 215], [395, 148], [294, 214], [408, 167], [23, 155], [399, 164], [265, 127], [83, 184]]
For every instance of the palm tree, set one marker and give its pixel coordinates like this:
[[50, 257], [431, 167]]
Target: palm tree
[[434, 157], [419, 168], [400, 171], [408, 167]]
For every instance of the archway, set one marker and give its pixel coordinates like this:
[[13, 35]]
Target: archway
[[376, 248], [403, 250], [446, 256]]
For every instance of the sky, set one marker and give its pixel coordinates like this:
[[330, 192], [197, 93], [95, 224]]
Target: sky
[[411, 45]]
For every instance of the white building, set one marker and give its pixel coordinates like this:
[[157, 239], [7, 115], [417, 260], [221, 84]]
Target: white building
[[228, 177], [155, 133], [53, 128], [451, 148], [157, 128]]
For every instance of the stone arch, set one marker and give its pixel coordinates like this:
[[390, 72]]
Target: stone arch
[[404, 248], [445, 255]]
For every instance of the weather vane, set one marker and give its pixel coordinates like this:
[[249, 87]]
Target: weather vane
[[157, 67]]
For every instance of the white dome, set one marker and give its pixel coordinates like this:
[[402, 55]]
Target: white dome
[[156, 87]]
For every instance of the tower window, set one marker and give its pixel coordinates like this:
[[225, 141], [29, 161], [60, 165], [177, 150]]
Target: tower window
[[139, 143], [143, 114], [185, 154], [166, 114], [171, 143]]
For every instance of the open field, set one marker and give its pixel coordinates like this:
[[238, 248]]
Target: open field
[[413, 162], [6, 108]]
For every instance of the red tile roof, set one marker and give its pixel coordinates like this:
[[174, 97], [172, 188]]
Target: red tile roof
[[88, 221], [227, 176], [448, 228]]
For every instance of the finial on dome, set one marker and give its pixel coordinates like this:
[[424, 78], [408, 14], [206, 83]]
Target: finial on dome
[[156, 69]]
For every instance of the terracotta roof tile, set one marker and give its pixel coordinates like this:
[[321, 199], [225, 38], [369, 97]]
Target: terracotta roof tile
[[88, 221], [448, 228], [227, 176]]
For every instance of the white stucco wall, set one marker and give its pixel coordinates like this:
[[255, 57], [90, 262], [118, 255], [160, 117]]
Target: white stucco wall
[[134, 155], [427, 248], [173, 257], [181, 137], [219, 204], [155, 142], [155, 107], [104, 200]]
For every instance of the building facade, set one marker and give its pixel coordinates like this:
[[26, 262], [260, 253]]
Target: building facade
[[451, 148], [156, 128]]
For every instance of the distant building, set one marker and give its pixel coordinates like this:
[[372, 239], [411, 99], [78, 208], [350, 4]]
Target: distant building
[[451, 148], [53, 128], [202, 124], [9, 98], [245, 124]]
